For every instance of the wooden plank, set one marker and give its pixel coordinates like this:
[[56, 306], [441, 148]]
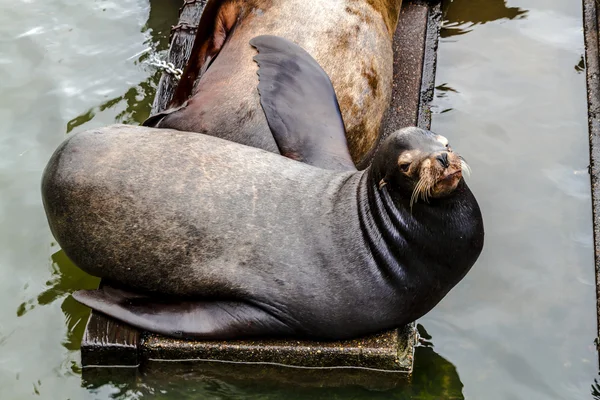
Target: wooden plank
[[107, 342], [390, 351], [415, 47], [591, 25], [182, 42], [432, 35]]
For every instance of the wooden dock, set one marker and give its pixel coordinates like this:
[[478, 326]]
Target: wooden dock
[[112, 350], [591, 24]]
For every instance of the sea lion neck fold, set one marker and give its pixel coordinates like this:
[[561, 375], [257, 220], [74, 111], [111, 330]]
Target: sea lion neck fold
[[435, 241], [422, 253]]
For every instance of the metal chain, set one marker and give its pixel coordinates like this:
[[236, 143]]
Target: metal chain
[[167, 67]]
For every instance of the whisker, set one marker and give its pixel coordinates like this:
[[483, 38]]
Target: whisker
[[413, 196], [466, 169], [416, 192], [427, 192]]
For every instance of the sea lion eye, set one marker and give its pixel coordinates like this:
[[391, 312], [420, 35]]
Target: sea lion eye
[[406, 159]]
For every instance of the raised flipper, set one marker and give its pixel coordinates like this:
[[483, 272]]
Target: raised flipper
[[216, 23], [210, 320], [300, 105]]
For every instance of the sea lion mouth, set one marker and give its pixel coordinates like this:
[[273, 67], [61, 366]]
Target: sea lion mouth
[[452, 176], [439, 176], [447, 182]]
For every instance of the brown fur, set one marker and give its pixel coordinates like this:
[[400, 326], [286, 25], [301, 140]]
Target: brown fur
[[389, 11], [432, 180], [350, 39]]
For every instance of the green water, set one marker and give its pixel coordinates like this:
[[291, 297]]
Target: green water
[[511, 98]]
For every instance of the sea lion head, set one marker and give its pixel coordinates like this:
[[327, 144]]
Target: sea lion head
[[420, 164]]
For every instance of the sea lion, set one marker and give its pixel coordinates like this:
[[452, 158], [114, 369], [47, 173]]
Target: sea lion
[[350, 39], [229, 241], [226, 241]]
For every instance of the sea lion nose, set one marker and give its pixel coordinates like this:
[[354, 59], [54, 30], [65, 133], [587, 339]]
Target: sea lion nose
[[443, 159]]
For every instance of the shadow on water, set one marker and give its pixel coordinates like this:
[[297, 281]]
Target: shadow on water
[[163, 15], [65, 279], [460, 16], [138, 102], [138, 99]]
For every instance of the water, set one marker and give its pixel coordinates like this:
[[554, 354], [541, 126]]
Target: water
[[511, 98]]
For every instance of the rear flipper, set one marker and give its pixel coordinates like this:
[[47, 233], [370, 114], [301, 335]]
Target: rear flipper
[[214, 320], [300, 105]]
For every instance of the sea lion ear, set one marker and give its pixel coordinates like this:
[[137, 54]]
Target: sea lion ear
[[300, 105], [216, 23]]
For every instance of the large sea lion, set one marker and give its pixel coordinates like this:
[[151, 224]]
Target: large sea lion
[[228, 241], [350, 39], [255, 244]]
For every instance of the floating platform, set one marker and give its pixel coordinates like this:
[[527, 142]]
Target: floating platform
[[591, 24], [111, 349]]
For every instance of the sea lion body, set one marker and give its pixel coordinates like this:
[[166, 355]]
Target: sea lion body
[[350, 39], [284, 247]]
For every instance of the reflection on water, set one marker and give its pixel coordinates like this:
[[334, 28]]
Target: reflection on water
[[580, 66], [434, 378], [163, 15], [135, 110], [522, 322], [66, 278], [460, 16], [517, 327], [138, 99]]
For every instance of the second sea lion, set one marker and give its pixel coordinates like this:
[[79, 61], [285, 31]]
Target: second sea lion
[[350, 39]]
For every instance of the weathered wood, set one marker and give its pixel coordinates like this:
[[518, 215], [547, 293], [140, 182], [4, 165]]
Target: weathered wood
[[432, 35], [109, 342], [591, 25], [182, 42], [391, 351], [415, 46]]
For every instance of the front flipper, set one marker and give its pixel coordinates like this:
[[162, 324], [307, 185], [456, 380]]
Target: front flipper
[[155, 120], [300, 105], [210, 320]]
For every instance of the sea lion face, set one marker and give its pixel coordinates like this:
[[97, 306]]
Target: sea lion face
[[425, 165]]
